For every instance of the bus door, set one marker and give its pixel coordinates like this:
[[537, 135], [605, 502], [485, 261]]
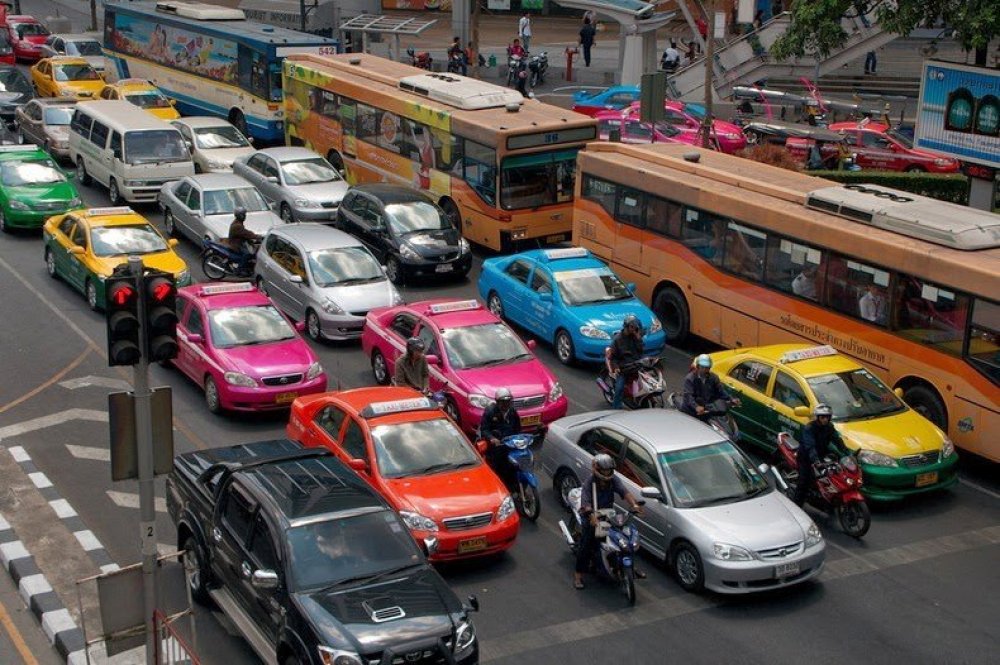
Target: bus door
[[629, 228]]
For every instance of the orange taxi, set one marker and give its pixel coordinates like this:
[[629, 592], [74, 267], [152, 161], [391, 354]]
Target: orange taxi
[[419, 460]]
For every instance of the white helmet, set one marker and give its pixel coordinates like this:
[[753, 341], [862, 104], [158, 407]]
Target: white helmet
[[604, 466]]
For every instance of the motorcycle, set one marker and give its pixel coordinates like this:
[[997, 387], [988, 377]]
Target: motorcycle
[[837, 488], [218, 261], [423, 59], [717, 415], [644, 391], [618, 542], [538, 66], [525, 489], [515, 64]]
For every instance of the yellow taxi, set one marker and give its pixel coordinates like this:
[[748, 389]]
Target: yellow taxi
[[900, 452], [84, 246], [143, 94], [66, 76]]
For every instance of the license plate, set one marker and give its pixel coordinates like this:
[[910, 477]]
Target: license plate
[[444, 267], [929, 478], [550, 240], [786, 569], [285, 398], [528, 421], [472, 545]]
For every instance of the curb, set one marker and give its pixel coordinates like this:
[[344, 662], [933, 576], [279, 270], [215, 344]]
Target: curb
[[55, 620]]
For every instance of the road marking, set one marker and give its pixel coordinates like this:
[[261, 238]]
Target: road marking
[[89, 453], [88, 541], [40, 480], [16, 637], [62, 508], [131, 500], [37, 389], [980, 488], [51, 420], [99, 381], [19, 454]]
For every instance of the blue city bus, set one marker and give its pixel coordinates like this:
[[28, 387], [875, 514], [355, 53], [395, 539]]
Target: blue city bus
[[209, 58]]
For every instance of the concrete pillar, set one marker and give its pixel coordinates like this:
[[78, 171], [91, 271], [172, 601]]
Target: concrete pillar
[[633, 64]]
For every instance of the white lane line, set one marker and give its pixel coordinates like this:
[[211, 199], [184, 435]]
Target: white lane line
[[130, 500], [52, 419], [988, 492], [98, 381], [89, 453], [19, 454], [40, 480], [62, 508]]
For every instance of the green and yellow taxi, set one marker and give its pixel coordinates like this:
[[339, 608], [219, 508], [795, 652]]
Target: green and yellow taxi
[[900, 452], [83, 247], [32, 188]]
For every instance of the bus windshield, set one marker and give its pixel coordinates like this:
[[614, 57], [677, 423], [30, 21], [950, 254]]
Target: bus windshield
[[538, 179], [155, 146]]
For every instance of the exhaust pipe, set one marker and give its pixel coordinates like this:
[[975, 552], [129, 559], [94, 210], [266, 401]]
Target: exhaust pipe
[[566, 534]]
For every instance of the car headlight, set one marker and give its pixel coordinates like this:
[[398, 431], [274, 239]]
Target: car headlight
[[330, 307], [942, 162], [728, 552], [875, 458], [948, 448], [555, 392], [219, 164], [314, 370], [593, 332], [655, 326], [67, 93], [75, 202], [408, 252], [18, 205], [480, 401], [417, 522], [134, 183], [237, 379], [330, 656], [305, 203], [183, 277], [506, 508], [813, 535], [463, 245], [465, 639]]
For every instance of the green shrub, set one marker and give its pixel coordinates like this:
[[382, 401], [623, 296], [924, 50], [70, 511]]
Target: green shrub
[[950, 187]]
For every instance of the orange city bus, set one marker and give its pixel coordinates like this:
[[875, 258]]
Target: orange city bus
[[745, 254], [501, 166]]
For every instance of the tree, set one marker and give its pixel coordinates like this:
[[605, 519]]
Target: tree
[[815, 27]]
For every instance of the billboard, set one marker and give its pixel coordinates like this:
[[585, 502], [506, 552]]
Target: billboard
[[959, 112]]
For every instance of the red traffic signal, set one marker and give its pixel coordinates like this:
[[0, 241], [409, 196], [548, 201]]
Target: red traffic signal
[[121, 294], [160, 329], [122, 319]]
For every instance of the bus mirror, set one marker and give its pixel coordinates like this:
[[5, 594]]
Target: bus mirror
[[801, 412]]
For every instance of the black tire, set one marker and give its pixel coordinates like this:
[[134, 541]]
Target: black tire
[[90, 292], [3, 223], [563, 345], [213, 265], [394, 271], [291, 660], [168, 223], [337, 162], [687, 567], [562, 483], [628, 585], [494, 304], [672, 309], [915, 168], [239, 121], [262, 287], [380, 368], [531, 507], [451, 410], [81, 173], [197, 168], [452, 212], [753, 138], [286, 214], [212, 398], [855, 518], [195, 571], [114, 194], [313, 327], [925, 401], [652, 402], [50, 264]]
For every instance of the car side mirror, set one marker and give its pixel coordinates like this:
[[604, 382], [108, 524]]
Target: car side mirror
[[651, 492], [630, 287], [764, 469], [172, 242], [300, 326], [173, 102], [195, 339], [264, 579], [272, 178], [471, 604], [295, 279], [250, 140], [431, 545], [801, 412], [358, 465], [531, 344], [545, 296], [189, 143], [77, 250], [482, 446], [898, 392], [433, 360]]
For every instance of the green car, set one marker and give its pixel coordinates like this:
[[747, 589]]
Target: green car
[[32, 188]]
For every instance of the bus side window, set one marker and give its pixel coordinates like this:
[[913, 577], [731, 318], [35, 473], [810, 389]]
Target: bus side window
[[630, 207], [704, 233], [745, 251], [983, 342], [367, 123], [663, 217], [479, 170], [930, 314], [348, 112], [601, 192]]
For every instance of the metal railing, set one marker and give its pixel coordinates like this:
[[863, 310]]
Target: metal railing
[[172, 648]]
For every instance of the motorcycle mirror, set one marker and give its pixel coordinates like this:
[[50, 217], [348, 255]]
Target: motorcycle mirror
[[482, 445], [801, 412]]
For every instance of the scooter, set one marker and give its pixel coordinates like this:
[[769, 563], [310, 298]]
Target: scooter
[[218, 261], [423, 59], [525, 492], [837, 488], [538, 66], [514, 67], [618, 542], [645, 391], [717, 415]]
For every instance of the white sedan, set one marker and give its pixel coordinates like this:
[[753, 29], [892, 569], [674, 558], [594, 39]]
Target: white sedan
[[201, 206]]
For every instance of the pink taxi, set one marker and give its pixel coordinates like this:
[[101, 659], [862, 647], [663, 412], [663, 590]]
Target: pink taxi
[[471, 354], [245, 354], [686, 118]]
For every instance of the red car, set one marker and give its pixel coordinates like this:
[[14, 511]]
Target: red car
[[27, 34], [878, 146], [6, 50]]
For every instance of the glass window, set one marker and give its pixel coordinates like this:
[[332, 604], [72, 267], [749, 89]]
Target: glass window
[[630, 207], [422, 447], [639, 466], [588, 286], [788, 391], [479, 170], [601, 192], [639, 131], [257, 162], [857, 289], [663, 217], [541, 282], [343, 266], [413, 216], [348, 115], [148, 99], [262, 546], [703, 233], [195, 324], [119, 240], [116, 146], [155, 146], [711, 475], [224, 201], [99, 134], [30, 173], [854, 395], [874, 140], [794, 268], [354, 441], [600, 440], [752, 373], [984, 339], [541, 178], [426, 334], [245, 326], [404, 324], [519, 270], [330, 418], [12, 80], [309, 172], [77, 236], [81, 124], [485, 345], [930, 314], [222, 136], [745, 249], [367, 123], [66, 226], [237, 514], [194, 199]]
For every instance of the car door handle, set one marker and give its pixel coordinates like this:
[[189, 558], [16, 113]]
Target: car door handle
[[217, 534], [245, 569]]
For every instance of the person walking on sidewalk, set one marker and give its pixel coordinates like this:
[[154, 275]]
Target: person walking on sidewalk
[[587, 33], [871, 62], [524, 30]]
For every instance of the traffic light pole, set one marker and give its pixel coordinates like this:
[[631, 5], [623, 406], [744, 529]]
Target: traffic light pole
[[144, 443]]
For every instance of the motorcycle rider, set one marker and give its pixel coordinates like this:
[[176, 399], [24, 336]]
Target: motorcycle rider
[[671, 59], [625, 348], [701, 388], [241, 239], [456, 50], [819, 439], [412, 370], [500, 420], [603, 484]]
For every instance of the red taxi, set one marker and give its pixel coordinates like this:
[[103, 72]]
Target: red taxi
[[419, 460], [27, 34]]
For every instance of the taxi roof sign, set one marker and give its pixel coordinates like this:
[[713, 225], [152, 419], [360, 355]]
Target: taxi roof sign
[[454, 306], [807, 354], [219, 289], [567, 253], [376, 409], [117, 210], [23, 147]]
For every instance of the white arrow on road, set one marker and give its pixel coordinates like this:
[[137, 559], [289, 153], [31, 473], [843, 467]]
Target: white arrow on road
[[100, 381], [89, 452], [130, 500], [52, 420]]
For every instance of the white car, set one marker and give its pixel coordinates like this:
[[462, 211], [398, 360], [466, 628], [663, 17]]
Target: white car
[[201, 206], [214, 143]]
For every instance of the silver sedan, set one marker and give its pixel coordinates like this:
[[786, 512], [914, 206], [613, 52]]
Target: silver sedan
[[215, 144], [713, 517], [201, 206], [302, 186]]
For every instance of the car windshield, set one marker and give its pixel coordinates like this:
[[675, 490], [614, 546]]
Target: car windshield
[[855, 395], [590, 285], [339, 551], [246, 326], [58, 115], [222, 136], [308, 171], [39, 172], [83, 47], [538, 179], [119, 240], [11, 80], [710, 475], [901, 139], [344, 265], [484, 345], [224, 201], [422, 447], [155, 146], [416, 216], [667, 129], [149, 99], [75, 72], [29, 30]]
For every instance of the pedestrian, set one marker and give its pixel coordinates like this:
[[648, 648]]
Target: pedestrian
[[690, 52], [702, 30], [587, 33], [590, 14], [524, 30], [871, 62], [758, 20]]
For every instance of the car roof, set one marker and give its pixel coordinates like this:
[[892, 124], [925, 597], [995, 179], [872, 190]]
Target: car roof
[[132, 83], [76, 36], [389, 193], [457, 319], [357, 400], [212, 181], [54, 101], [852, 124], [11, 153], [826, 364], [665, 430], [284, 153], [21, 18], [316, 236], [202, 121], [111, 216], [67, 60], [228, 295]]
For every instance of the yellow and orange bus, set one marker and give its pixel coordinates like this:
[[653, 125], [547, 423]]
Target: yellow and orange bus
[[501, 166], [745, 254]]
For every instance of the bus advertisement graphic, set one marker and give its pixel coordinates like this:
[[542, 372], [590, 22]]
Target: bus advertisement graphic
[[959, 112]]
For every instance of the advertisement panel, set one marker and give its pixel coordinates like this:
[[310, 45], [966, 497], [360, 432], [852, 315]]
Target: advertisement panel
[[432, 5], [959, 112]]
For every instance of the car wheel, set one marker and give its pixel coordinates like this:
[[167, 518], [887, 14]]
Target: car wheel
[[197, 168], [195, 571], [855, 518], [168, 223], [313, 328], [239, 121], [50, 264], [81, 173], [688, 568], [564, 348], [262, 287], [212, 398], [915, 168], [114, 196], [3, 222], [452, 412], [380, 369], [90, 289], [494, 304], [563, 482], [393, 270], [286, 214]]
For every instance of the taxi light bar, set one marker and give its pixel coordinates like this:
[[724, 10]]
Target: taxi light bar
[[134, 81], [456, 306], [25, 147], [376, 409], [219, 289], [118, 210], [567, 253], [806, 354]]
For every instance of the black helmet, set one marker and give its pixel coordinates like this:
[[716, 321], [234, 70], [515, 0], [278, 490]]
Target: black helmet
[[603, 466], [415, 344], [631, 320], [240, 213]]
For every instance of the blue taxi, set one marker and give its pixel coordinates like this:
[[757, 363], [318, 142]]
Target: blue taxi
[[567, 296]]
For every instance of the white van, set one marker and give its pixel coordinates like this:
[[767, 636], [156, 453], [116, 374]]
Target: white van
[[127, 150]]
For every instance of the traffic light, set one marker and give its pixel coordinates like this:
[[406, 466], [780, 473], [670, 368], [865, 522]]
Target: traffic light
[[160, 326], [122, 316]]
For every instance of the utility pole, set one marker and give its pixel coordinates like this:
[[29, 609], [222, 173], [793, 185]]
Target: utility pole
[[474, 36], [93, 14], [706, 123]]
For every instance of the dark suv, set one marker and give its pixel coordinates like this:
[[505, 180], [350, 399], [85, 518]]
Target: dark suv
[[309, 562]]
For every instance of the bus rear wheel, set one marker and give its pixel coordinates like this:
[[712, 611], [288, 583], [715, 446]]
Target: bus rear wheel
[[239, 121], [672, 309], [453, 213], [337, 162], [925, 401]]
